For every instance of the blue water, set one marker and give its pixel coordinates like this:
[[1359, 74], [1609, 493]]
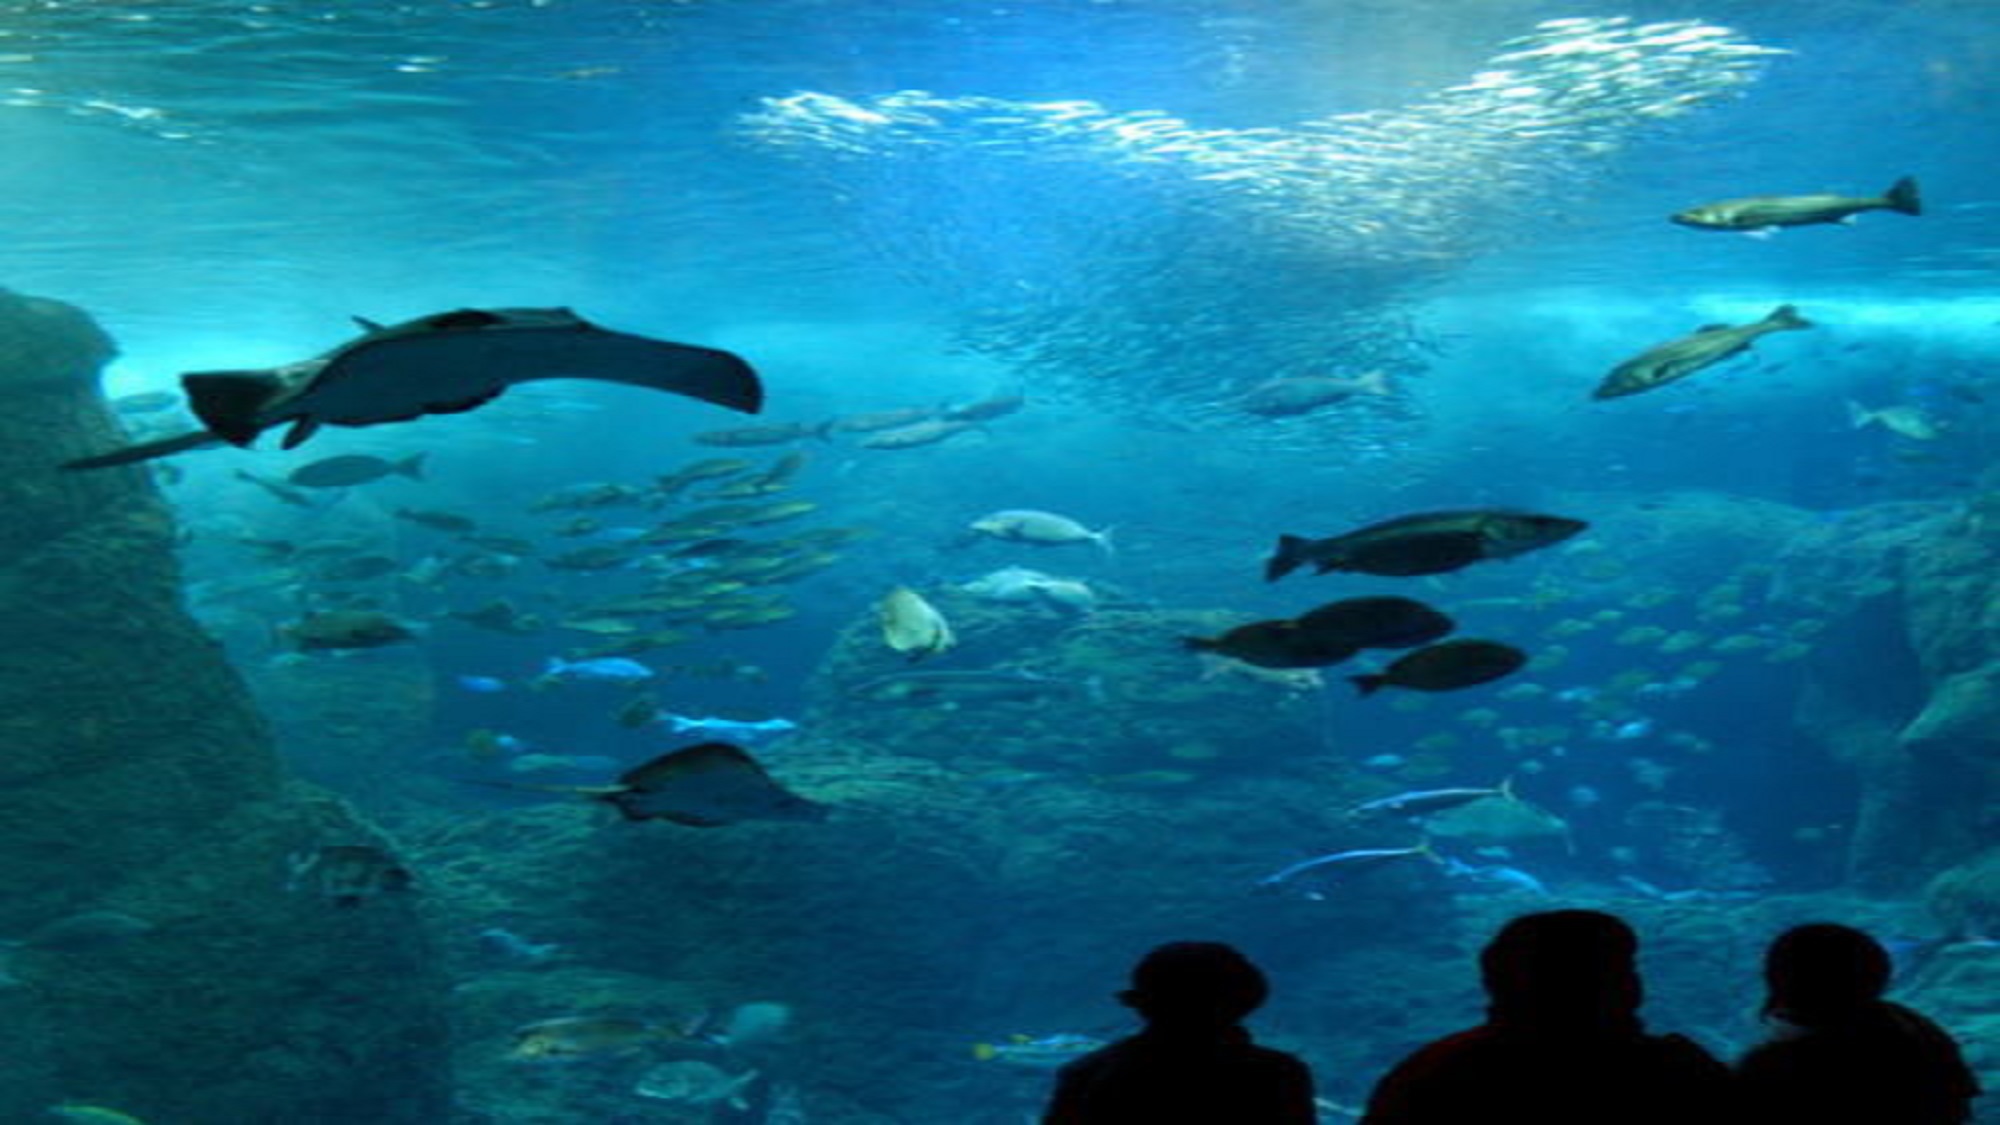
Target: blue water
[[224, 185]]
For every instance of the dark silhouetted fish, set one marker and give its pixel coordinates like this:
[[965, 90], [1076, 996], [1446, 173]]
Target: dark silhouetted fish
[[1445, 667], [1381, 622], [1426, 543], [702, 786], [351, 469]]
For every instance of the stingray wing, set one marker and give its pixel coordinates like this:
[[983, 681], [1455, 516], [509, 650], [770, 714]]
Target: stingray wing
[[707, 786], [445, 361]]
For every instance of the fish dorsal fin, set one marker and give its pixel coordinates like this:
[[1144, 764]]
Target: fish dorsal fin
[[368, 325]]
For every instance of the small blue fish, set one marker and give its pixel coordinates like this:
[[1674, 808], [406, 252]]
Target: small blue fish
[[682, 724], [602, 670], [482, 685]]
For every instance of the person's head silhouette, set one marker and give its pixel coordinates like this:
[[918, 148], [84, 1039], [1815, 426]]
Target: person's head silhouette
[[1823, 971], [1563, 970], [1195, 984]]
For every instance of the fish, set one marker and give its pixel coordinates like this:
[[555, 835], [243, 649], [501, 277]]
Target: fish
[[924, 433], [444, 363], [1768, 212], [507, 944], [1424, 802], [1677, 359], [777, 433], [713, 468], [878, 420], [1377, 622], [1019, 584], [1303, 394], [694, 1082], [78, 1114], [1446, 666], [450, 522], [345, 629], [481, 685], [1215, 667], [357, 568], [1902, 420], [707, 785], [500, 616], [86, 930], [1038, 1052], [281, 493], [1275, 643], [570, 1038], [347, 874], [913, 626], [985, 410], [1346, 863], [1496, 821], [1042, 529], [601, 670], [683, 724], [1424, 543], [351, 469]]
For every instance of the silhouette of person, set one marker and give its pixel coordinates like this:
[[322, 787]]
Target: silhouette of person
[[1839, 1054], [1562, 1043], [1193, 1063]]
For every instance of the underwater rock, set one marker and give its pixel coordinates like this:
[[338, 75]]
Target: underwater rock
[[1904, 683], [139, 779]]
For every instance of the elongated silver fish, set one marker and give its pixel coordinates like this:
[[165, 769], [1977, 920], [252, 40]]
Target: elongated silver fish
[[1677, 359], [1767, 212]]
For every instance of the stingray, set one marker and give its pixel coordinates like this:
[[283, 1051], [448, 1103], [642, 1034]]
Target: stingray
[[445, 363], [704, 786]]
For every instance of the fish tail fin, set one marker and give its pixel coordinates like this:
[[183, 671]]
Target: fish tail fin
[[1858, 415], [1506, 788], [1375, 382], [1902, 197], [229, 402], [1370, 683], [1103, 539], [1787, 316], [412, 466], [1289, 556]]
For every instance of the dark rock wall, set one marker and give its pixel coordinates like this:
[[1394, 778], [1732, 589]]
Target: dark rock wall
[[138, 779]]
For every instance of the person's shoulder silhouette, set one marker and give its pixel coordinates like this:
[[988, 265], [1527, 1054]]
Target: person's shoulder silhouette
[[1192, 1063], [1562, 1043], [1839, 1053]]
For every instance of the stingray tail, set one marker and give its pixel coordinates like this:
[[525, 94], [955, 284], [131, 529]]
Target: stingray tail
[[145, 451]]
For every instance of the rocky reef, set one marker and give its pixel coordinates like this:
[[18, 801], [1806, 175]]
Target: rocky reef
[[1904, 686], [172, 962]]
